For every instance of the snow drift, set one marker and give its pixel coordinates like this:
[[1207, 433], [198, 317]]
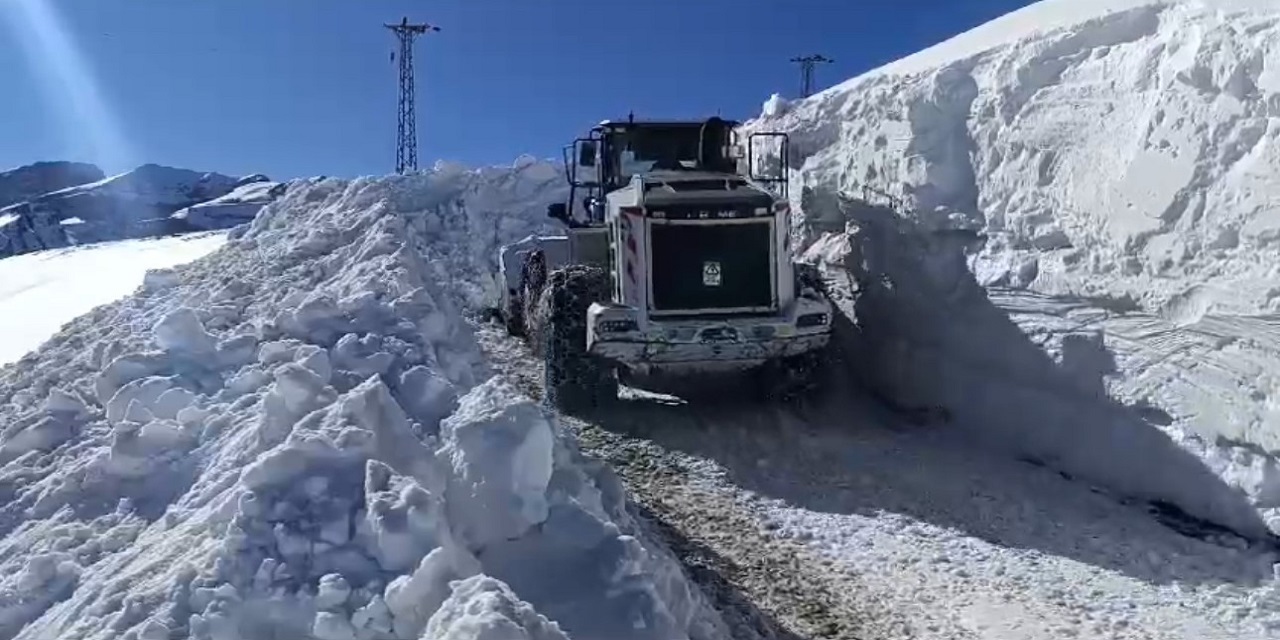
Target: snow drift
[[1108, 170], [134, 204], [296, 437]]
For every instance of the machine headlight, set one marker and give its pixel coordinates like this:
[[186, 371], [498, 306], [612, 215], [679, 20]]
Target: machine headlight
[[809, 320], [617, 326]]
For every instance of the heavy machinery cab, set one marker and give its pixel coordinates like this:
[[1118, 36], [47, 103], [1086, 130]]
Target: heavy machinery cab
[[667, 207], [697, 246]]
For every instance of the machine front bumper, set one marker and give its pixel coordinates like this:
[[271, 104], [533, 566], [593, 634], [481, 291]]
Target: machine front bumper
[[734, 343]]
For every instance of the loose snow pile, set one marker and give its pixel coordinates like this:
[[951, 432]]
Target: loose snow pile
[[295, 437], [1108, 171], [475, 211], [134, 204], [39, 292]]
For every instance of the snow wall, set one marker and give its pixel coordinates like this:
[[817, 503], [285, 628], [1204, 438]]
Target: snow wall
[[1063, 228], [297, 437]]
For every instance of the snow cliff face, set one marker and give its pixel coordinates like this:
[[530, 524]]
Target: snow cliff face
[[30, 181], [296, 437], [1109, 171], [1116, 148], [129, 205]]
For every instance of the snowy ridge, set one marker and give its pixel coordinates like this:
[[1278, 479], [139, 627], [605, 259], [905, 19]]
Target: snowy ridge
[[32, 180], [237, 207], [296, 437], [133, 204], [1108, 171]]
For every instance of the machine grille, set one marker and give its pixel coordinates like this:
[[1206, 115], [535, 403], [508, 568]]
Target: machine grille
[[712, 267]]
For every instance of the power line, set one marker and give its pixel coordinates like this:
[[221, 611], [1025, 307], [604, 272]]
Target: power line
[[406, 127], [807, 64]]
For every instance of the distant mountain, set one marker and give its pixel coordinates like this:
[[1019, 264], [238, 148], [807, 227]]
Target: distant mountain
[[237, 207], [30, 181], [150, 200]]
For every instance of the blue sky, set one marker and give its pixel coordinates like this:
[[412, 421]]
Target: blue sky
[[296, 88]]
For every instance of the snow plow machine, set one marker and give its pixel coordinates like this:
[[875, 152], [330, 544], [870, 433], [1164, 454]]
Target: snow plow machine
[[675, 267]]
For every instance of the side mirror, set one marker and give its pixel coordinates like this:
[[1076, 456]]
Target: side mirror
[[587, 153], [558, 211]]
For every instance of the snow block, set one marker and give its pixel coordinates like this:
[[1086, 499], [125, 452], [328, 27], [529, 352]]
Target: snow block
[[482, 608], [500, 446]]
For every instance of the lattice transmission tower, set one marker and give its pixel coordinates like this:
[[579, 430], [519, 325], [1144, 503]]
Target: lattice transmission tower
[[406, 126], [807, 64]]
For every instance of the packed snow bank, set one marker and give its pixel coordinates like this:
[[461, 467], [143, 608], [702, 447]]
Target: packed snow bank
[[1108, 170], [32, 180], [39, 292], [1127, 152], [133, 204], [237, 207], [296, 437], [1019, 372]]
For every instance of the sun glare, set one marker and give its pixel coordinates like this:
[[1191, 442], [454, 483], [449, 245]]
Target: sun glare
[[70, 88]]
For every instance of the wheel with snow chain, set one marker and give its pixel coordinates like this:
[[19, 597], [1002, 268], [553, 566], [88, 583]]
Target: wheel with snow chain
[[794, 378], [533, 278], [513, 316], [574, 379], [808, 276]]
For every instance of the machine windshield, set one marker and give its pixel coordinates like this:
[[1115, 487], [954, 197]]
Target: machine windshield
[[639, 150]]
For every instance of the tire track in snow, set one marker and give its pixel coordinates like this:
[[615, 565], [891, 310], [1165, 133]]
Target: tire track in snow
[[766, 588]]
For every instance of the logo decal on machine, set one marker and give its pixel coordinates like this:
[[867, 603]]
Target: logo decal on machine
[[711, 274]]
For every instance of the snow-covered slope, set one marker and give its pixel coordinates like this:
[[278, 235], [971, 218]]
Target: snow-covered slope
[[296, 436], [129, 205], [29, 181], [1110, 171], [39, 292]]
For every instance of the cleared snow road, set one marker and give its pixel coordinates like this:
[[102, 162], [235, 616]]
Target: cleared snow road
[[844, 522]]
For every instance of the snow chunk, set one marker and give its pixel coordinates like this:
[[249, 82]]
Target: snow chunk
[[181, 332], [500, 446], [481, 608], [775, 106]]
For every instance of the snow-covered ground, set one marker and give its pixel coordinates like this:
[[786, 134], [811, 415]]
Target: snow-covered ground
[[1109, 171], [40, 292], [299, 435], [844, 520], [296, 436]]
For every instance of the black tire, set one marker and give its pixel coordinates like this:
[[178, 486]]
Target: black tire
[[513, 316], [794, 379], [574, 379], [801, 377], [808, 276], [533, 279]]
